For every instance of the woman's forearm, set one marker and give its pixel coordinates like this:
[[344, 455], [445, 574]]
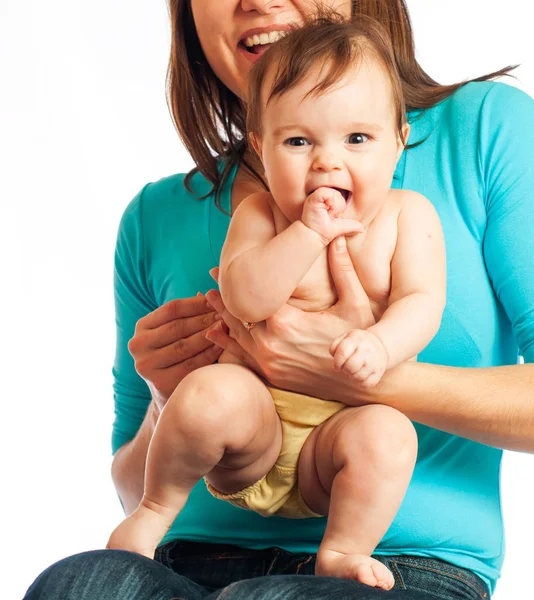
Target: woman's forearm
[[128, 468], [493, 406]]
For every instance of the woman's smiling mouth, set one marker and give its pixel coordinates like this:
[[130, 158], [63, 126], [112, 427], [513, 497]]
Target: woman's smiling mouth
[[256, 42]]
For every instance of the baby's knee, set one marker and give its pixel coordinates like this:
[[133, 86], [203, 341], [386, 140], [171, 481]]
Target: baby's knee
[[384, 436], [204, 402], [392, 436]]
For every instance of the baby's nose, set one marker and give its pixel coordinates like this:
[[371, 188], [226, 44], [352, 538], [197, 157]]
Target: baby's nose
[[326, 161]]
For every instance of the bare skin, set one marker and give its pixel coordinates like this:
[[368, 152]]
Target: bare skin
[[396, 246], [221, 424], [447, 398], [163, 360], [355, 468], [169, 343]]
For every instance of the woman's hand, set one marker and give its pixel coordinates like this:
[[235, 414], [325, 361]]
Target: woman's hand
[[292, 348], [170, 342]]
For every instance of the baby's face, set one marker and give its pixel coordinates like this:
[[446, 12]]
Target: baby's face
[[344, 138]]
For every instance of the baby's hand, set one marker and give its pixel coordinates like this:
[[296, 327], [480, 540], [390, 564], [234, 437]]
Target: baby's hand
[[361, 355], [321, 212]]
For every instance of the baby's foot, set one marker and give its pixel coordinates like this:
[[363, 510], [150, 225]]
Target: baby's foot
[[142, 531], [362, 568]]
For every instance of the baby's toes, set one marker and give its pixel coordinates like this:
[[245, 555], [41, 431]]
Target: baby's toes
[[364, 574], [383, 576]]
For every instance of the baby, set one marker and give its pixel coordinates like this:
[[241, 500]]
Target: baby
[[326, 117]]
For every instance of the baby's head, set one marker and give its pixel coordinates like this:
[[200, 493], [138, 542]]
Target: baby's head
[[326, 108]]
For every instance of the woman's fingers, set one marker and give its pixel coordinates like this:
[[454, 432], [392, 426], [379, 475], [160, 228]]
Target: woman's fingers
[[215, 274], [180, 350], [352, 298], [178, 330], [166, 380], [214, 300], [207, 356], [220, 337], [175, 309], [242, 338], [171, 341]]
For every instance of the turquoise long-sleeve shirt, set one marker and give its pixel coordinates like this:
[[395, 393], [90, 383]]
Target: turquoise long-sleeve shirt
[[476, 165]]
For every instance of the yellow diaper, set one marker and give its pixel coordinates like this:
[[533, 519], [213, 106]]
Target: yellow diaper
[[277, 493]]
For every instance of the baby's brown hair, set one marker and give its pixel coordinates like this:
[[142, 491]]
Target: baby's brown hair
[[327, 40]]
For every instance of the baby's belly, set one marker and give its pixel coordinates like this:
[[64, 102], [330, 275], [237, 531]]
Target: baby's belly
[[321, 295], [313, 304]]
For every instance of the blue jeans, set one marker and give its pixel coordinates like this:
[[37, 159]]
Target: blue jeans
[[197, 571]]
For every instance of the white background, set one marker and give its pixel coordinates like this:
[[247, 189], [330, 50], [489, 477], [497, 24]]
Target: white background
[[83, 126]]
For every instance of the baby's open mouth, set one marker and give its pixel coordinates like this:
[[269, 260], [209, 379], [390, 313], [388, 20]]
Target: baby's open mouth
[[345, 193]]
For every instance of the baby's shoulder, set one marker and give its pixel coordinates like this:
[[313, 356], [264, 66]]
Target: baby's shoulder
[[408, 203], [415, 212], [260, 203], [258, 198], [400, 199]]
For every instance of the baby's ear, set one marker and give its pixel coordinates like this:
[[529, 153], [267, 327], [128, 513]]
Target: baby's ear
[[401, 142], [255, 142]]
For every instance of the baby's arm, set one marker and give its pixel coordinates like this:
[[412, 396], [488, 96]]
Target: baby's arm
[[260, 270], [416, 302], [418, 282]]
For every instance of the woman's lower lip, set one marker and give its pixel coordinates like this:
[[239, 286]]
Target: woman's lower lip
[[248, 55]]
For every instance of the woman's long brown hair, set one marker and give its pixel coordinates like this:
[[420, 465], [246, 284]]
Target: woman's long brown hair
[[211, 119]]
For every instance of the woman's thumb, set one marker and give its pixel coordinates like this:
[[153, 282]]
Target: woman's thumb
[[349, 289]]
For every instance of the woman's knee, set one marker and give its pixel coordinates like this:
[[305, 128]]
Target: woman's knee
[[105, 575]]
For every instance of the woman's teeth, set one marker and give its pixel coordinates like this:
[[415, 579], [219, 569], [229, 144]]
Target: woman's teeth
[[264, 38]]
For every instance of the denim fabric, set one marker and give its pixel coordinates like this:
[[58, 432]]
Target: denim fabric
[[111, 575], [194, 571]]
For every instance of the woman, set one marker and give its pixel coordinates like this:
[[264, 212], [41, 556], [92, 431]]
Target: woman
[[473, 162]]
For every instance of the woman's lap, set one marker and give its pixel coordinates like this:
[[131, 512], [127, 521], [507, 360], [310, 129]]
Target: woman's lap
[[111, 575], [195, 571]]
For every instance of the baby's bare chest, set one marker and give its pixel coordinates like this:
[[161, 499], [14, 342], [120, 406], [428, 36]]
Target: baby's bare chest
[[371, 256], [372, 263]]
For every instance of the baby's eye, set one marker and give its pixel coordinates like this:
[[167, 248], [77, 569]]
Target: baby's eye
[[297, 142], [357, 138]]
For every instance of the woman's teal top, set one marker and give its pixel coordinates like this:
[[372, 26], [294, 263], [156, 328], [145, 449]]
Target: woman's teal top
[[476, 165]]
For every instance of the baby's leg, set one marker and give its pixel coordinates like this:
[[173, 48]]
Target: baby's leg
[[356, 468], [221, 423]]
